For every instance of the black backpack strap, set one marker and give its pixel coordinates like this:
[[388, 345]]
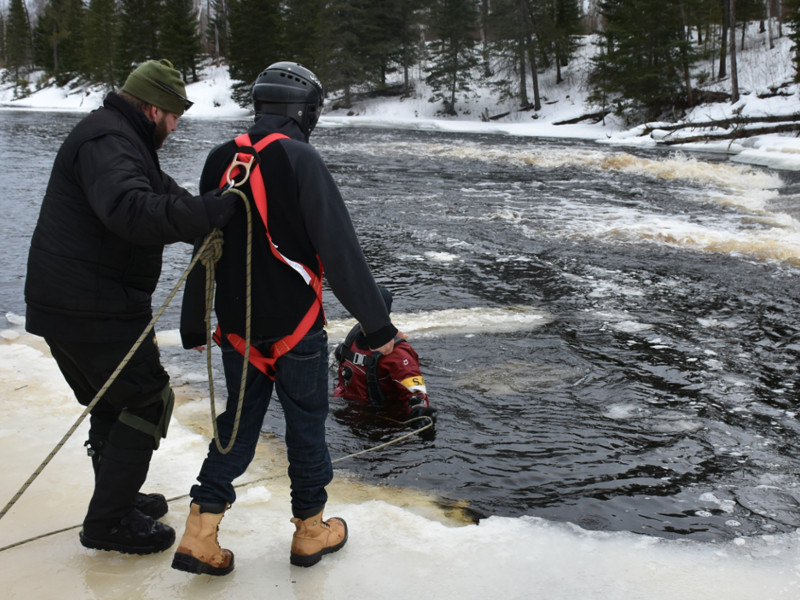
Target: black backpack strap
[[343, 352], [374, 390]]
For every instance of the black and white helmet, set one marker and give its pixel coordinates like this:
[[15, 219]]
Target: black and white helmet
[[288, 88]]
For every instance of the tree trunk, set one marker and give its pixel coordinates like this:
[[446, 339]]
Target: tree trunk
[[487, 70], [528, 25], [769, 25], [687, 81], [523, 78], [734, 71], [55, 46], [723, 46]]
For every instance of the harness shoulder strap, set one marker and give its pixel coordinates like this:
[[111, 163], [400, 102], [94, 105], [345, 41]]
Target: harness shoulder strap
[[266, 364]]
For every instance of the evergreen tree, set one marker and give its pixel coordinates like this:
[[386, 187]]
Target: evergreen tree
[[529, 48], [643, 57], [308, 36], [139, 26], [2, 40], [256, 42], [453, 24], [58, 45], [352, 53], [507, 50], [217, 28], [409, 33], [179, 38], [791, 13], [396, 29], [19, 44], [558, 25], [100, 43]]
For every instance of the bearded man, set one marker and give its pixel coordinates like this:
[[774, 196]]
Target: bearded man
[[94, 262]]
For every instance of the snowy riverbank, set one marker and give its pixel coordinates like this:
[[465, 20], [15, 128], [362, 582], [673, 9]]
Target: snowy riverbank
[[761, 70]]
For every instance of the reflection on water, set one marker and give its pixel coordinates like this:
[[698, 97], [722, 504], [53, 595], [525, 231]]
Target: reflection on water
[[611, 338]]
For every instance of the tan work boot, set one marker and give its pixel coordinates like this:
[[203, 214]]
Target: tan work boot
[[314, 537], [199, 550]]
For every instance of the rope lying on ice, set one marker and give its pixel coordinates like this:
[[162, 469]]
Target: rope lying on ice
[[397, 440]]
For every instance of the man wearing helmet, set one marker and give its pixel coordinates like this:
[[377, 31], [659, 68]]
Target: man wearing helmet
[[300, 224]]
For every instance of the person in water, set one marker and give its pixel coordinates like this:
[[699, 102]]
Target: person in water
[[391, 382], [303, 226], [94, 261]]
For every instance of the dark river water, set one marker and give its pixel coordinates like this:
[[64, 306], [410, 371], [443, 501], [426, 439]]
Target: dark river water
[[610, 336]]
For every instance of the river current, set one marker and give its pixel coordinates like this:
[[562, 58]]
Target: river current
[[610, 336]]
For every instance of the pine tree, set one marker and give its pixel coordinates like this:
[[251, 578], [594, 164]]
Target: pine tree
[[19, 45], [256, 42], [558, 24], [100, 43], [643, 57], [139, 26], [792, 17], [2, 40], [58, 45], [307, 38], [507, 50], [217, 28], [352, 49], [179, 38], [396, 30], [453, 23], [409, 30]]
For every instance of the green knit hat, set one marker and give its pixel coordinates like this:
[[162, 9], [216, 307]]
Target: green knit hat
[[158, 83]]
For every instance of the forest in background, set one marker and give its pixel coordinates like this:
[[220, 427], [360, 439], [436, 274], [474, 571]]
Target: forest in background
[[646, 63]]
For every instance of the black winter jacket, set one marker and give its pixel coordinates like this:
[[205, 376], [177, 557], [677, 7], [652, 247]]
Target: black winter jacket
[[95, 255], [307, 218]]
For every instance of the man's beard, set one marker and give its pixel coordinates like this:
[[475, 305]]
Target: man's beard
[[162, 131]]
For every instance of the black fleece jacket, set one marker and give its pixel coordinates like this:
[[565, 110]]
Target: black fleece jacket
[[307, 218], [95, 254]]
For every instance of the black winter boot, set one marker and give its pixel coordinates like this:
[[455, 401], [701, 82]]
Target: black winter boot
[[135, 533], [113, 522], [153, 505]]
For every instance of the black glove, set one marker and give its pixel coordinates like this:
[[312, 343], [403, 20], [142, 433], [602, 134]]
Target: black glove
[[417, 408], [219, 207]]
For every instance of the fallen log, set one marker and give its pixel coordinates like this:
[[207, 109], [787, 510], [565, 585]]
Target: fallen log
[[595, 116], [731, 135], [723, 123]]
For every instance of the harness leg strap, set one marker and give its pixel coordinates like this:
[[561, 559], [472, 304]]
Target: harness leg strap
[[156, 430]]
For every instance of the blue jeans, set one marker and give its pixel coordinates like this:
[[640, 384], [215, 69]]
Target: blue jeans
[[301, 383]]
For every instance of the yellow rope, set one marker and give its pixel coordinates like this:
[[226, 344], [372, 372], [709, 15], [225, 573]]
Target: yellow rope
[[248, 316]]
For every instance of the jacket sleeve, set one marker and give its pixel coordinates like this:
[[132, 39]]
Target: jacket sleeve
[[331, 231], [401, 367], [193, 309], [193, 325], [123, 198]]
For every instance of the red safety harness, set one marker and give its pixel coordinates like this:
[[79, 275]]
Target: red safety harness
[[247, 156]]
